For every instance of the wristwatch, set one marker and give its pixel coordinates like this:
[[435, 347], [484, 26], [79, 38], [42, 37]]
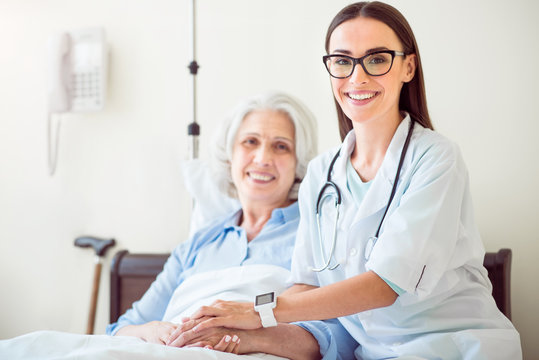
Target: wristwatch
[[264, 304]]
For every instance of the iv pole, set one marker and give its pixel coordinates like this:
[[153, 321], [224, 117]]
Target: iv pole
[[193, 129]]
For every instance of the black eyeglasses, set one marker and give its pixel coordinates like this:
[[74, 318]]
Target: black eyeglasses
[[377, 63]]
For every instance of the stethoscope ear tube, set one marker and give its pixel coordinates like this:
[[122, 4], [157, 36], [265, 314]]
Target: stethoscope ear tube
[[338, 200], [397, 175]]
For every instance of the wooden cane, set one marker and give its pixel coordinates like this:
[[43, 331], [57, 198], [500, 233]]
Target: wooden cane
[[100, 246], [93, 299]]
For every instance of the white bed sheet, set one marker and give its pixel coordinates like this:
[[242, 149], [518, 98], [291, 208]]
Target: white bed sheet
[[49, 345], [238, 283]]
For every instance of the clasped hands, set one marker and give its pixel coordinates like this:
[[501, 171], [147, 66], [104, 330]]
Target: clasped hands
[[218, 327]]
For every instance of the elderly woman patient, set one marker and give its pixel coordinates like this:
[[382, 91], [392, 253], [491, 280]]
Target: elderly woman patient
[[262, 152]]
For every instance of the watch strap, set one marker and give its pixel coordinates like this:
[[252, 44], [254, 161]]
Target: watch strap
[[267, 317]]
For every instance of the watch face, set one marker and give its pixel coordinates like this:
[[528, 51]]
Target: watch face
[[264, 299]]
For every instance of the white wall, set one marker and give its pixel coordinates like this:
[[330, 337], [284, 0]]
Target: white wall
[[118, 173]]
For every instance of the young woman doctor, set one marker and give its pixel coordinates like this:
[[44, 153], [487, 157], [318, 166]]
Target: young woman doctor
[[387, 240]]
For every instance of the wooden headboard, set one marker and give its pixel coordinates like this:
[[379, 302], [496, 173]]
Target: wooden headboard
[[132, 274]]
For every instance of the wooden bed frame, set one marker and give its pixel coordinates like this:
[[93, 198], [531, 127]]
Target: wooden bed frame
[[132, 274]]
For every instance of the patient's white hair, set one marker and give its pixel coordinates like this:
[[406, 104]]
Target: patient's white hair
[[305, 137]]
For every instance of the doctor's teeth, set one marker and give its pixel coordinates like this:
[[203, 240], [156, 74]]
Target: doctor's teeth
[[260, 177], [361, 96]]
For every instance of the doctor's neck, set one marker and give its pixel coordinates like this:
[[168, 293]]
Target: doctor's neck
[[372, 141]]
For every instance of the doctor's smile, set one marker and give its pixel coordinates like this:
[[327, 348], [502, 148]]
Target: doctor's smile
[[362, 96]]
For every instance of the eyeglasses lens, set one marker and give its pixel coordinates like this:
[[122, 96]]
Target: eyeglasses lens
[[378, 64]]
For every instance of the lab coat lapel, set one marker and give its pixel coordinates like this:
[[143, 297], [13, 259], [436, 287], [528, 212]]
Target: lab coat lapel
[[380, 190]]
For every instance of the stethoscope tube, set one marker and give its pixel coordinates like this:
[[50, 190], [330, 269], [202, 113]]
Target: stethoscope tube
[[320, 241], [338, 201]]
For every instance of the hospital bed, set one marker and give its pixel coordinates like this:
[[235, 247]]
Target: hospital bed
[[132, 274]]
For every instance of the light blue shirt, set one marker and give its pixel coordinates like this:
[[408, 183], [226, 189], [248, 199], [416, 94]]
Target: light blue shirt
[[223, 244], [358, 189]]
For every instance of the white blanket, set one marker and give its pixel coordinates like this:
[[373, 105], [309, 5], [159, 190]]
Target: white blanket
[[49, 345], [239, 283]]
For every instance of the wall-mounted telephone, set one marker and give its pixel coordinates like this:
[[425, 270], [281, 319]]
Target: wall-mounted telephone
[[77, 77], [78, 71]]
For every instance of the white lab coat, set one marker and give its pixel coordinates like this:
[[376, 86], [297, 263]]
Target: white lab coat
[[429, 246]]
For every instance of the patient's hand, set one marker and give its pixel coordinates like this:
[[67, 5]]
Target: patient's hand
[[183, 334], [221, 339], [156, 332]]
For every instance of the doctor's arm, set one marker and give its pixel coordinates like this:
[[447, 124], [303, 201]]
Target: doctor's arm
[[359, 293]]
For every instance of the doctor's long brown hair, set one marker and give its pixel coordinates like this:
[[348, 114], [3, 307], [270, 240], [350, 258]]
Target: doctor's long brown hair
[[412, 98]]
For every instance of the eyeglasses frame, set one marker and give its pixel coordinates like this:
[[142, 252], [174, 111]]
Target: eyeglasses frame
[[360, 61]]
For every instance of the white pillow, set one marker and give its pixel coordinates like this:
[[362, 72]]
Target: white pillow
[[209, 202]]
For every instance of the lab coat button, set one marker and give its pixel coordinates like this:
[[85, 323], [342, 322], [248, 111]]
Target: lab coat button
[[353, 252]]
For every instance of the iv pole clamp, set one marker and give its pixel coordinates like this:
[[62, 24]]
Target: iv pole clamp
[[193, 129]]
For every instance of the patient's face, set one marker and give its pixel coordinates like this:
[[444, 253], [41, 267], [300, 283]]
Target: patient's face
[[264, 159]]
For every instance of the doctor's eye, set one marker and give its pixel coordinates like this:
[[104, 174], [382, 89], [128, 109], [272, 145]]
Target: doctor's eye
[[381, 59], [378, 59], [341, 61]]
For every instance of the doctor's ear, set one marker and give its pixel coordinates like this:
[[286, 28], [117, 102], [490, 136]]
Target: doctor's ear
[[410, 64]]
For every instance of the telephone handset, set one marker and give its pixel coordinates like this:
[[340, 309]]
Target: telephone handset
[[77, 78]]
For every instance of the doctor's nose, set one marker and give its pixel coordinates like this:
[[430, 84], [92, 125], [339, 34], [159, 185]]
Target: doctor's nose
[[359, 76]]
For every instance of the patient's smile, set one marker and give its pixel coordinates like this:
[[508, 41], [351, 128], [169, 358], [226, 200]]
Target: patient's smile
[[260, 176]]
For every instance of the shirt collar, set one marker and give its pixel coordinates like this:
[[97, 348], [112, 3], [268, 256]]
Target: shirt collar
[[395, 147], [286, 214]]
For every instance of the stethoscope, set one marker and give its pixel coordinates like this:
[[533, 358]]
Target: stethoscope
[[336, 195]]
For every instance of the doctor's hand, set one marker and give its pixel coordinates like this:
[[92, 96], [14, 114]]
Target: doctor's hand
[[156, 332], [228, 314]]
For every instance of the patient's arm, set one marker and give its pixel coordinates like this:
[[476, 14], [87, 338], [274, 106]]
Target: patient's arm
[[284, 340], [156, 332]]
